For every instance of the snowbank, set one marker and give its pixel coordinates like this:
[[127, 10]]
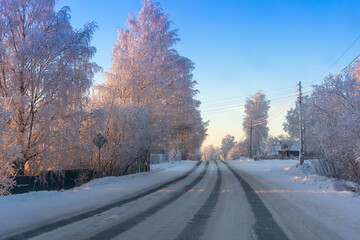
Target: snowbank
[[245, 159], [306, 173]]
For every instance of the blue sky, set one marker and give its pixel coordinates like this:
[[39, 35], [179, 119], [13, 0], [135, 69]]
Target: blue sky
[[240, 47]]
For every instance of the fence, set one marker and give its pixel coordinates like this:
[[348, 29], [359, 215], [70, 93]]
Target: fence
[[159, 158], [50, 180], [67, 179]]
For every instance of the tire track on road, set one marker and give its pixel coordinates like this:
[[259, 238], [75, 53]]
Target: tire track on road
[[196, 226], [265, 227], [129, 223], [54, 225]]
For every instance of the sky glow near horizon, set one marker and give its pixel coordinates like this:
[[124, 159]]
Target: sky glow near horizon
[[240, 47]]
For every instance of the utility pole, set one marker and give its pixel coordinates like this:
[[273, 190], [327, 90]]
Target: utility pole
[[301, 157], [251, 128]]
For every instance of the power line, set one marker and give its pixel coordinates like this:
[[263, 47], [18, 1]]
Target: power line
[[276, 115], [228, 102], [269, 93], [304, 93], [272, 133], [342, 70], [286, 101], [224, 110], [336, 61], [281, 109], [228, 108], [231, 107], [287, 104]]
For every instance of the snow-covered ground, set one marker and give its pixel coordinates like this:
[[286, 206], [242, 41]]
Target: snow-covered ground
[[296, 196], [36, 208], [327, 200]]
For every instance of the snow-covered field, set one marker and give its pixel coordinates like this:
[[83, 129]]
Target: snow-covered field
[[327, 200], [36, 208]]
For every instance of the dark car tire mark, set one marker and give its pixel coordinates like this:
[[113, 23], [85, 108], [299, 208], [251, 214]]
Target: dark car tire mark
[[196, 226], [131, 222], [265, 227]]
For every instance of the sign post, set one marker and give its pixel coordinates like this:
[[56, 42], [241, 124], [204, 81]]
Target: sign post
[[99, 141]]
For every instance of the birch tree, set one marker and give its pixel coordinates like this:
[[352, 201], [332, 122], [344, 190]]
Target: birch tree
[[45, 73], [256, 107], [149, 73]]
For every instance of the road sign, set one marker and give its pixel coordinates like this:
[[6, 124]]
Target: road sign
[[99, 140]]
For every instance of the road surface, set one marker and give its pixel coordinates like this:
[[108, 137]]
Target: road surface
[[212, 201]]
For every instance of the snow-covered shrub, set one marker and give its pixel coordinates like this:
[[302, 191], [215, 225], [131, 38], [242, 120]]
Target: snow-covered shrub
[[126, 126], [6, 180], [174, 155], [240, 149], [8, 152]]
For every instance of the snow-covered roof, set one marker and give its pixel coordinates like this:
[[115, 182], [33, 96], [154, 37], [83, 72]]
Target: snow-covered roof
[[294, 146]]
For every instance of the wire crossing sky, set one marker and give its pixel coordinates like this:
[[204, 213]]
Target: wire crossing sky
[[240, 47]]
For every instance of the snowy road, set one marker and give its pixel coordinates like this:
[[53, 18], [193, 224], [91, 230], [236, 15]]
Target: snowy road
[[212, 201]]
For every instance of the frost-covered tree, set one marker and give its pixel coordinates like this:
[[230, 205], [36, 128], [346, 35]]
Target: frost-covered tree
[[270, 145], [336, 115], [255, 121], [148, 72], [8, 152], [291, 125], [239, 150], [45, 73], [126, 128], [332, 118], [227, 143]]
